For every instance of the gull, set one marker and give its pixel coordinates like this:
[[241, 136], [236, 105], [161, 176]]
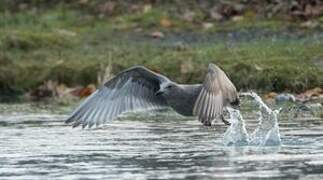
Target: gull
[[140, 89]]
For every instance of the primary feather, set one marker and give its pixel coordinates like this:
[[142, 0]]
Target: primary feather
[[131, 90], [217, 91]]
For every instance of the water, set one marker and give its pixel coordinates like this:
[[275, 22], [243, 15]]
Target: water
[[266, 132], [236, 134], [35, 144]]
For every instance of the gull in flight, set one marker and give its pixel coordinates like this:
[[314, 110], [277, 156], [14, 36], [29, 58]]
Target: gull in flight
[[138, 89]]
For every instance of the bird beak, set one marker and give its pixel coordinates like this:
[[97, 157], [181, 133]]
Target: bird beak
[[159, 92]]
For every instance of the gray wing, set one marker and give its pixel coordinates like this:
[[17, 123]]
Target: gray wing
[[217, 91], [131, 90]]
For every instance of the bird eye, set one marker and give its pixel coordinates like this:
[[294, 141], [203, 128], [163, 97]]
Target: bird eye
[[169, 86]]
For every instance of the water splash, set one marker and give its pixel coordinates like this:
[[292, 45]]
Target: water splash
[[236, 134], [267, 131], [265, 134]]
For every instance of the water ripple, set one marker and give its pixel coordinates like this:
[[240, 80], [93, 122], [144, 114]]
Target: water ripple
[[35, 144]]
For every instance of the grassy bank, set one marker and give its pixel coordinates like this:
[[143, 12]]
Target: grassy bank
[[70, 47]]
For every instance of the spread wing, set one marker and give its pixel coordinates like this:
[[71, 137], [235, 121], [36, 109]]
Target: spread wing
[[217, 91], [131, 90]]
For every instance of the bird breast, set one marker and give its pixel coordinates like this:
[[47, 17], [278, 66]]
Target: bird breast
[[183, 98]]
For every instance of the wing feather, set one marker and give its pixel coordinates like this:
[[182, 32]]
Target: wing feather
[[132, 90], [217, 90]]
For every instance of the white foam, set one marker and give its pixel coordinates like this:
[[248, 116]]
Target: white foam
[[236, 134], [265, 134]]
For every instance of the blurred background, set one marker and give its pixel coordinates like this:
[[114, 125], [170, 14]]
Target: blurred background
[[63, 48]]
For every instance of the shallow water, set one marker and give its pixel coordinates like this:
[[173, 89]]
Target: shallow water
[[35, 144]]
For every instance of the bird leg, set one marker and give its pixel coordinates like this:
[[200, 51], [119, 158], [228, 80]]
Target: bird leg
[[205, 122]]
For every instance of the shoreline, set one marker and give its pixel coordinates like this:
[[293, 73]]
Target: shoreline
[[73, 47]]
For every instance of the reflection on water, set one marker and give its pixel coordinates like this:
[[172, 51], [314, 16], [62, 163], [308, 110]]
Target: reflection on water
[[35, 144]]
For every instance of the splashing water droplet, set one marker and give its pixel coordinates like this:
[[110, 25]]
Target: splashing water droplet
[[265, 134], [236, 134]]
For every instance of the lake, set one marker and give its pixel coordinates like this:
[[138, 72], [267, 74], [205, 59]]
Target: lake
[[36, 144]]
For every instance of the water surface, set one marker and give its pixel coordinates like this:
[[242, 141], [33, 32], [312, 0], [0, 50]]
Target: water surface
[[35, 144]]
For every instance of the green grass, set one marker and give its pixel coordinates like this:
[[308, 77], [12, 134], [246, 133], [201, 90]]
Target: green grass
[[69, 47]]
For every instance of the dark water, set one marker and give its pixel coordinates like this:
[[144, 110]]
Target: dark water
[[35, 144]]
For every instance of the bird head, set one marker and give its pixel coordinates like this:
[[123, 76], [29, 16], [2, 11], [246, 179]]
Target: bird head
[[165, 88]]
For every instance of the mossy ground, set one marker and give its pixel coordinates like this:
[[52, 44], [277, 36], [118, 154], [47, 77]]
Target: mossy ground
[[69, 46]]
